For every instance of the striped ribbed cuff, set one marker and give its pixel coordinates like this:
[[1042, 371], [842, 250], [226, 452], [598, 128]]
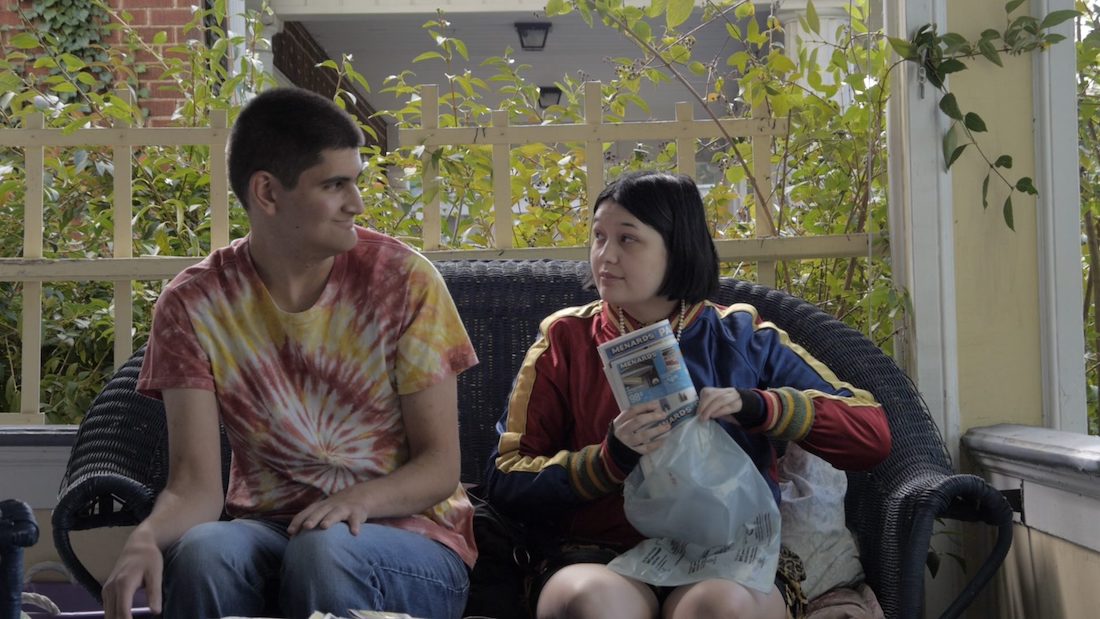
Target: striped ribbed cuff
[[589, 473], [790, 413]]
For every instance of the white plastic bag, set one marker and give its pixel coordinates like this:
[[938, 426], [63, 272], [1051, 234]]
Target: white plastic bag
[[812, 510], [708, 511]]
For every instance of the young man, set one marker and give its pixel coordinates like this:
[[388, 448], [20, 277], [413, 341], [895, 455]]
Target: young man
[[329, 352]]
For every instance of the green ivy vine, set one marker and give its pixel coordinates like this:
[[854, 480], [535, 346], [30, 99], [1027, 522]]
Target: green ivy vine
[[76, 29], [939, 55]]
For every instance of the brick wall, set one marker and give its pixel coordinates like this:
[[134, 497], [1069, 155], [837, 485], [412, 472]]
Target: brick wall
[[149, 18], [296, 54]]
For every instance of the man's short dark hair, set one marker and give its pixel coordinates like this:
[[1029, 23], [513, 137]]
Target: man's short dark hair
[[672, 205], [283, 131]]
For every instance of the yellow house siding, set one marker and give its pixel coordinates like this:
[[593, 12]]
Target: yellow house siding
[[996, 268]]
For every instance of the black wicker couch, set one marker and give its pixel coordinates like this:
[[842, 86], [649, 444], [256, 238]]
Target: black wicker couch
[[119, 461]]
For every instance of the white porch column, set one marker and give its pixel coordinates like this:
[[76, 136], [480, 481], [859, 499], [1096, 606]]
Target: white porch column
[[922, 241], [1059, 221], [831, 17]]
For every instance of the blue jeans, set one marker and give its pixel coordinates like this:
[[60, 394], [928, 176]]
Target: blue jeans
[[251, 567]]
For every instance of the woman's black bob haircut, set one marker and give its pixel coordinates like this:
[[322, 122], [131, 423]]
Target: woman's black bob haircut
[[672, 205]]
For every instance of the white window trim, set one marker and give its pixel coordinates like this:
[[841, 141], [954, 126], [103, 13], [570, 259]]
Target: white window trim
[[1058, 215], [922, 238]]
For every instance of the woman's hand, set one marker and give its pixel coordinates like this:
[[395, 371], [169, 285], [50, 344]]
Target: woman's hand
[[717, 402], [643, 428]]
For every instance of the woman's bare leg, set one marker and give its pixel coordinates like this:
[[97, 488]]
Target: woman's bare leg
[[592, 591], [723, 599]]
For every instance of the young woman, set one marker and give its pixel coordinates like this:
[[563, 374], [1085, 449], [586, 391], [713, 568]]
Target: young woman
[[565, 447]]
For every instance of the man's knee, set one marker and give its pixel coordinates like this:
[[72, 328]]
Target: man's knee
[[203, 546]]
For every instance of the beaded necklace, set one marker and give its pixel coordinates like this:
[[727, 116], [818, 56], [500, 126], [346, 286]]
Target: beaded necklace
[[679, 321]]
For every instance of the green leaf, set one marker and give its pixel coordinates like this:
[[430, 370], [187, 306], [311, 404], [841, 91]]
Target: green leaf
[[557, 7], [956, 154], [64, 87], [1056, 17], [678, 12], [1004, 161], [950, 66], [1027, 186], [739, 60], [461, 47], [949, 106], [24, 40], [698, 68], [902, 48], [974, 123], [1008, 213], [656, 7], [990, 52], [160, 38], [586, 13], [428, 56], [72, 63], [932, 560], [812, 20], [985, 192], [1013, 5], [950, 143]]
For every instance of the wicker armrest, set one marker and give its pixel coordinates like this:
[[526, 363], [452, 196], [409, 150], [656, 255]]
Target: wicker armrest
[[91, 502], [966, 498], [119, 463], [892, 508]]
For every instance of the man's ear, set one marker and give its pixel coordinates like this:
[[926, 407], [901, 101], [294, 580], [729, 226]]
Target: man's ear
[[263, 188]]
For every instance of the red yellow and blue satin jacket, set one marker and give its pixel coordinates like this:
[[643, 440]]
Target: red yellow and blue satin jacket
[[555, 457]]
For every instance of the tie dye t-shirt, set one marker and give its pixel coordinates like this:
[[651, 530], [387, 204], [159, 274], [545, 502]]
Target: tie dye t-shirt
[[309, 400]]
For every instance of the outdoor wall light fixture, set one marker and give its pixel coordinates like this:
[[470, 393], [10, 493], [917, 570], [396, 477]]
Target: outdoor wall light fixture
[[532, 35], [549, 95]]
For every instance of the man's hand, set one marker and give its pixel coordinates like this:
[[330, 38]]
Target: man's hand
[[140, 563], [642, 427], [715, 402], [344, 506]]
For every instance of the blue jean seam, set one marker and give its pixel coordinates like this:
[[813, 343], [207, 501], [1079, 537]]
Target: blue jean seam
[[423, 577]]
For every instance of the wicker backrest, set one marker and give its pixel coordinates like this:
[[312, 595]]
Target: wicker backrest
[[917, 450], [501, 304], [125, 434]]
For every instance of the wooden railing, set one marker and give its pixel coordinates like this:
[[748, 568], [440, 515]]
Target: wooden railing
[[123, 268]]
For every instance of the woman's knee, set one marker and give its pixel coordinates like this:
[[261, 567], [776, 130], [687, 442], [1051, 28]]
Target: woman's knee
[[584, 590], [723, 599]]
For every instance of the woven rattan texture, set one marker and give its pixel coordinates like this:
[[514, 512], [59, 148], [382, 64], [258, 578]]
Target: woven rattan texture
[[119, 461]]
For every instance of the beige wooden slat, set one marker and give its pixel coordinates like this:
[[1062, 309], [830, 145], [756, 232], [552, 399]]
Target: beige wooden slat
[[762, 171], [593, 149], [133, 136], [219, 184], [608, 132], [685, 147], [502, 187], [21, 419], [166, 267], [30, 386], [729, 250], [429, 120], [93, 269], [122, 158]]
